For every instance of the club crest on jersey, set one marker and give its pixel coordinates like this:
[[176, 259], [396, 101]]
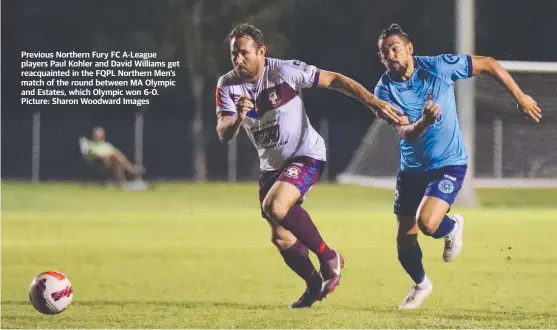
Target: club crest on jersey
[[274, 99], [292, 172], [446, 186]]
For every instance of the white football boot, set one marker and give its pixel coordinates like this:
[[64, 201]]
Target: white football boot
[[417, 295], [453, 241]]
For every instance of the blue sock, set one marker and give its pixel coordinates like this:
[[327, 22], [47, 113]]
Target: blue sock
[[411, 261], [445, 227]]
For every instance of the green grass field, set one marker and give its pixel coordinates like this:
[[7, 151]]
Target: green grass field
[[199, 256]]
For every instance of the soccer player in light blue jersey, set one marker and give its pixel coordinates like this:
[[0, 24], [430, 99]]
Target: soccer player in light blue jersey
[[433, 157]]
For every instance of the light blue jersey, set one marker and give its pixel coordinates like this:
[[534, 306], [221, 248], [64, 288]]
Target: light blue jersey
[[433, 79]]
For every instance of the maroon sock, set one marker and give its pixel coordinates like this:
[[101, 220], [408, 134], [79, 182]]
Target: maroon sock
[[297, 258], [298, 221]]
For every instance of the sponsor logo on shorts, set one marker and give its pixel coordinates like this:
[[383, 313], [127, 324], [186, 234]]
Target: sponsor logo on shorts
[[293, 172], [446, 186], [396, 195], [449, 177]]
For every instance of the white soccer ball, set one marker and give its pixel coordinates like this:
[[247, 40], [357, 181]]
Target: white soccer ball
[[51, 292]]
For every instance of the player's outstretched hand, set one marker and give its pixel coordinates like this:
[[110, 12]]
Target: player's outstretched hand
[[387, 112], [529, 108], [243, 105], [431, 112]]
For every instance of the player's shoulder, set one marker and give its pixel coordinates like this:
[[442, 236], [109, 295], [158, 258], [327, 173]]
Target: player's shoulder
[[274, 63], [432, 62], [425, 62], [228, 79], [277, 63], [282, 66]]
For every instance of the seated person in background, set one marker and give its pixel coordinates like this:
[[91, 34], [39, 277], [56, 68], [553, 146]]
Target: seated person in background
[[112, 158]]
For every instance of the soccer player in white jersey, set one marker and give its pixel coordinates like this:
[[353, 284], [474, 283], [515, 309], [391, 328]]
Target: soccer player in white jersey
[[433, 159], [263, 95]]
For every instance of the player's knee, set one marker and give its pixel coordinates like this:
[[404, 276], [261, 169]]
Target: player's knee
[[274, 209], [427, 224]]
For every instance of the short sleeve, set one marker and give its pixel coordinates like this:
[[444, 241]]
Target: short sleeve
[[299, 74], [449, 66], [382, 93], [224, 102]]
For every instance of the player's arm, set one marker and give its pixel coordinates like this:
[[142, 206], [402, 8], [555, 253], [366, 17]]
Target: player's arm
[[411, 131], [228, 124], [404, 129], [483, 64], [230, 114], [350, 87], [228, 127]]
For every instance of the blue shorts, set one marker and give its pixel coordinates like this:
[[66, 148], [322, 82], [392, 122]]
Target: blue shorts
[[411, 187]]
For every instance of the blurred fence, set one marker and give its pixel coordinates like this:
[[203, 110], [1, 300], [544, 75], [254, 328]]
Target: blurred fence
[[167, 140]]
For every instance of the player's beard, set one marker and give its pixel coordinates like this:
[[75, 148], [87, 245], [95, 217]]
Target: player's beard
[[246, 74], [398, 69]]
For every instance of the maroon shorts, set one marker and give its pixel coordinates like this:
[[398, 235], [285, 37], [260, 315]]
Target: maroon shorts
[[303, 172]]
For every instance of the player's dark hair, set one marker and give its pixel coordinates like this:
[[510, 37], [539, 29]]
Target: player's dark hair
[[393, 30], [247, 30]]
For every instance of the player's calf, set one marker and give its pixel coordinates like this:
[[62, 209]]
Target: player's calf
[[434, 222], [296, 256], [410, 257], [280, 205], [282, 238], [298, 221], [432, 219], [300, 224], [436, 228]]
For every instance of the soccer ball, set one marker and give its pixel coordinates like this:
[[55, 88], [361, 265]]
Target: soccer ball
[[50, 292]]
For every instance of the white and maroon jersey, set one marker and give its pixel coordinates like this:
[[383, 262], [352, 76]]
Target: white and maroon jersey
[[278, 127]]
